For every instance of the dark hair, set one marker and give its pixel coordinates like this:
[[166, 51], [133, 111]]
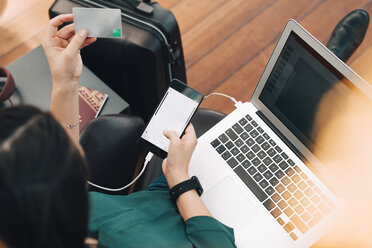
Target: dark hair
[[43, 197]]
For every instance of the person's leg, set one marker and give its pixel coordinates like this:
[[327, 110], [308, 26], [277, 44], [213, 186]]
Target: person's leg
[[348, 34], [111, 146]]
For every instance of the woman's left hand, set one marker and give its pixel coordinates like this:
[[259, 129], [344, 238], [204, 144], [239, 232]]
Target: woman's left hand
[[62, 49]]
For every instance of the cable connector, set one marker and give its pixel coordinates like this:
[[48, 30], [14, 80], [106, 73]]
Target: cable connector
[[147, 160], [236, 103]]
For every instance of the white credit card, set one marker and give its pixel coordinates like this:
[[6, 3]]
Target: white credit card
[[102, 23]]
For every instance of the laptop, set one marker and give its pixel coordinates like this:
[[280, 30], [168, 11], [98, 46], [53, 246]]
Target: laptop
[[261, 167]]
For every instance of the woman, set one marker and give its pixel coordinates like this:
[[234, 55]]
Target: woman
[[43, 176]]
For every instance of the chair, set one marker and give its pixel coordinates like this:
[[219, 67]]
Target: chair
[[112, 149]]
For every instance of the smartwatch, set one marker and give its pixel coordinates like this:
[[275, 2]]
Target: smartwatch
[[192, 183], [7, 84]]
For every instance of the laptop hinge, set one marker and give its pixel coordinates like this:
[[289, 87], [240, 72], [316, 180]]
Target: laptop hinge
[[282, 137]]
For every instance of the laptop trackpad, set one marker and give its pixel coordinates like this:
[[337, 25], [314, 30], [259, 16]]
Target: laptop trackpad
[[228, 204]]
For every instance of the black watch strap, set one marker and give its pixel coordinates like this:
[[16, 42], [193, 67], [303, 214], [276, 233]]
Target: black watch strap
[[192, 183]]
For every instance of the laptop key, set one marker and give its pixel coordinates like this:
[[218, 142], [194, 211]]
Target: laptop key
[[244, 149], [276, 197], [223, 138], [252, 170], [235, 151], [251, 184], [302, 185], [280, 188], [240, 157], [279, 174], [244, 136], [267, 160], [239, 142], [286, 195], [250, 142], [215, 143], [284, 155], [289, 172], [268, 174], [285, 180], [261, 168], [278, 149], [264, 184], [298, 194], [273, 168], [276, 212], [254, 134], [243, 121], [272, 142], [271, 152], [259, 129], [293, 236], [299, 224], [297, 169], [248, 127], [250, 155], [232, 135], [288, 211], [257, 177], [246, 164], [255, 148], [292, 188], [256, 161], [259, 140], [221, 149], [296, 178], [266, 136], [309, 192], [283, 165], [290, 161], [232, 162], [265, 146], [261, 154], [273, 181], [229, 145], [293, 202], [254, 123], [282, 204], [277, 158], [269, 190], [226, 155], [289, 227], [249, 118], [237, 128], [269, 204]]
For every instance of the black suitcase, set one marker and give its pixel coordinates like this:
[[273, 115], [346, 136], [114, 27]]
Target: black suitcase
[[140, 66]]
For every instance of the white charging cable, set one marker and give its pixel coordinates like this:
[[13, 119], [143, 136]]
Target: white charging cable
[[147, 160], [236, 103]]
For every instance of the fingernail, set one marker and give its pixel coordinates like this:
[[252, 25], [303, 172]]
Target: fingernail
[[83, 33]]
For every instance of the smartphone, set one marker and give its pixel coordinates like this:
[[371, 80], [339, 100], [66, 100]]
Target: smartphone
[[173, 113]]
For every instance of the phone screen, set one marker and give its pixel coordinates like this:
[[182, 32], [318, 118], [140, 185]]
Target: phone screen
[[173, 113]]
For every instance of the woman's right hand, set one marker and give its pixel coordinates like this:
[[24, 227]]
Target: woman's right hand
[[176, 165], [62, 49]]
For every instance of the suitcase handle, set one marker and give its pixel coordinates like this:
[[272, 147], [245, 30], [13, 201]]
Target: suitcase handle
[[141, 6]]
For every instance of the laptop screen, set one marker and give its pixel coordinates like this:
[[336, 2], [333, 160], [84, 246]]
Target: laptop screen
[[306, 93]]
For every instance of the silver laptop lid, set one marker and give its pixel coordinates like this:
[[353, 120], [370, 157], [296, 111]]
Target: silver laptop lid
[[293, 86]]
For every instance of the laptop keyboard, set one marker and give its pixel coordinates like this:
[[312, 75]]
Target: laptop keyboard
[[278, 183]]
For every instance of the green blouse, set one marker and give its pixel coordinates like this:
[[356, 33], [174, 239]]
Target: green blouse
[[151, 219]]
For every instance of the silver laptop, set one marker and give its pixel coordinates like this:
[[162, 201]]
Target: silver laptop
[[259, 166]]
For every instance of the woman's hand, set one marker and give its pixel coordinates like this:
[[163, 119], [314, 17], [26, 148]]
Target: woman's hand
[[62, 49], [175, 166]]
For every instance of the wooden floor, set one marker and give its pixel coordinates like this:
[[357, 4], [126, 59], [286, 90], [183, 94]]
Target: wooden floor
[[226, 42]]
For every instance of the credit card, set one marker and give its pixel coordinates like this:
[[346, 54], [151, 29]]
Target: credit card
[[101, 23]]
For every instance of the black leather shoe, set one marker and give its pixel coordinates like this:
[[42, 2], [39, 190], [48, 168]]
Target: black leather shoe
[[348, 34]]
